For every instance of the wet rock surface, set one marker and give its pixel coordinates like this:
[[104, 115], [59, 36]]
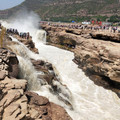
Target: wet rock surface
[[47, 70], [51, 78], [55, 36], [99, 57]]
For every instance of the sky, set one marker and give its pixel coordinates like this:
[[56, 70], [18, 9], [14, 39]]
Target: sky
[[4, 4]]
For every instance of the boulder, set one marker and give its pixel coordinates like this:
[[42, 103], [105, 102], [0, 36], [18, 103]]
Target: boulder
[[36, 99], [47, 70], [45, 109], [8, 63]]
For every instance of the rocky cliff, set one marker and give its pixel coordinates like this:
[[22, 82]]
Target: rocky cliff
[[99, 58]]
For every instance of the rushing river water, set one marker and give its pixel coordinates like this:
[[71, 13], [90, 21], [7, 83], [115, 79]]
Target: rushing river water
[[87, 100]]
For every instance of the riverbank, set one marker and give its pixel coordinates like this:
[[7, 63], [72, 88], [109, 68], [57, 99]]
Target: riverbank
[[97, 55]]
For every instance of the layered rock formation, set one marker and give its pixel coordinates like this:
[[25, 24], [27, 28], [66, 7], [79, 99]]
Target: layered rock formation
[[13, 102], [115, 37], [16, 103], [100, 59]]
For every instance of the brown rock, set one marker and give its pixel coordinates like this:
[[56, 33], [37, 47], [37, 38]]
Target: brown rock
[[46, 110], [35, 99], [48, 78], [8, 63], [8, 84], [2, 75], [46, 68], [29, 44], [13, 67], [59, 113]]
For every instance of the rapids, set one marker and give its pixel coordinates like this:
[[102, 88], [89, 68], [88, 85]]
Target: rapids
[[88, 101]]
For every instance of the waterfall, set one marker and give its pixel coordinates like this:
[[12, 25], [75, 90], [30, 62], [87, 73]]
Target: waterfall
[[88, 101], [23, 55], [28, 72], [41, 36]]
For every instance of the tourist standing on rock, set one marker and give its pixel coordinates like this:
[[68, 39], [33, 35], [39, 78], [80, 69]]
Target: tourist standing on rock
[[16, 32], [7, 30], [21, 34]]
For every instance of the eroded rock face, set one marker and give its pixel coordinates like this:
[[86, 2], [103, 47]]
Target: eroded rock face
[[8, 64], [13, 103], [115, 37], [55, 36], [99, 57]]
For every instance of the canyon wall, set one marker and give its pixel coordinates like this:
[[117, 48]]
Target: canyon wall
[[96, 53]]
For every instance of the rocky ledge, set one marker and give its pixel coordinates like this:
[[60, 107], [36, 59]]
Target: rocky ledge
[[108, 36], [16, 103], [99, 58]]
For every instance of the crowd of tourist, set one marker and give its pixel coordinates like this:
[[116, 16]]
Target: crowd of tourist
[[21, 34], [25, 35], [97, 27]]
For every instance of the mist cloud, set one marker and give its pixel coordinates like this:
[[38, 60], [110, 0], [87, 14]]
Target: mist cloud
[[24, 21]]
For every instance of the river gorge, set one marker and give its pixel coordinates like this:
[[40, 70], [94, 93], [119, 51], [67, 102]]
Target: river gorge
[[71, 88]]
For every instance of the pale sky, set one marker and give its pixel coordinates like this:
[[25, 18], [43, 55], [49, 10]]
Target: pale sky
[[4, 4]]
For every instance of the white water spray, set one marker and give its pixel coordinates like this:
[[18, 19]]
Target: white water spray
[[89, 101], [41, 36]]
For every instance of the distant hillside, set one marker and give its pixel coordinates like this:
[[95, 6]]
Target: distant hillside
[[68, 10]]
